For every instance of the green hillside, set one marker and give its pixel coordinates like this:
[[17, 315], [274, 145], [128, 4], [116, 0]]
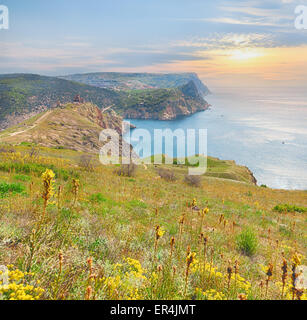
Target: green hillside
[[106, 233], [25, 95]]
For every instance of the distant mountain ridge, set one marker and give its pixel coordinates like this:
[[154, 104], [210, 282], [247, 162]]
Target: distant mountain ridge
[[138, 81]]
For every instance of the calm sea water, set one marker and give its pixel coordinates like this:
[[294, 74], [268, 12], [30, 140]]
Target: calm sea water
[[265, 130]]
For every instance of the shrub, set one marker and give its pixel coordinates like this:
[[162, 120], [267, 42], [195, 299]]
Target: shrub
[[194, 181], [86, 162], [34, 152], [289, 208], [166, 174], [247, 242], [127, 170]]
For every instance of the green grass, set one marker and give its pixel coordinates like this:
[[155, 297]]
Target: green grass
[[11, 188], [21, 177], [38, 169], [114, 218], [247, 242]]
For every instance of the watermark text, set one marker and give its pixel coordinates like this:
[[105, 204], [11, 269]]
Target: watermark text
[[301, 19], [4, 17]]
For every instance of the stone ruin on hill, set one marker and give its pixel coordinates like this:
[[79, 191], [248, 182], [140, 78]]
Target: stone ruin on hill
[[78, 99]]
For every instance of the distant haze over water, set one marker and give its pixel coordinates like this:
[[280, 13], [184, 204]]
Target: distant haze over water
[[264, 129]]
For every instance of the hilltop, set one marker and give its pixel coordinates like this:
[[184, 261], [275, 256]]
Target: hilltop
[[25, 95], [138, 81]]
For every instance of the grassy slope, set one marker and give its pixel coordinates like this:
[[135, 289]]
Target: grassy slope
[[114, 218], [72, 126]]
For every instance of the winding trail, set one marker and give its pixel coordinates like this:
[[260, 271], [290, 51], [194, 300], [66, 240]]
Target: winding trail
[[39, 120], [107, 108]]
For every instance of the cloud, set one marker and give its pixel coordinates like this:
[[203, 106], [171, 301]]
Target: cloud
[[228, 41]]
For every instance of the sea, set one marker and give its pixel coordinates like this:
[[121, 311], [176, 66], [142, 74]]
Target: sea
[[264, 129]]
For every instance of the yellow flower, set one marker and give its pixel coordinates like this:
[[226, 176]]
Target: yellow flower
[[159, 232], [297, 259], [48, 176]]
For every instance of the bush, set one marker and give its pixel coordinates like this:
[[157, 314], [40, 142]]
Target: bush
[[194, 181], [289, 208], [166, 174], [86, 162], [247, 242], [34, 152], [127, 170]]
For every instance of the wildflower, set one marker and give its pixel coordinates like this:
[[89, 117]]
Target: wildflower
[[242, 296], [194, 203], [205, 211], [17, 288], [284, 269], [88, 293], [174, 270], [48, 176], [269, 274], [89, 262], [189, 260], [159, 232], [229, 272], [221, 218], [75, 189], [181, 220], [61, 260], [172, 243], [205, 250], [203, 214], [181, 223], [296, 259]]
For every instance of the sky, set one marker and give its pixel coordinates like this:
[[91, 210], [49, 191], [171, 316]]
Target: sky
[[250, 43]]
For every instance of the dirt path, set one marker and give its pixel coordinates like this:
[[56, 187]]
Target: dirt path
[[107, 108], [39, 120]]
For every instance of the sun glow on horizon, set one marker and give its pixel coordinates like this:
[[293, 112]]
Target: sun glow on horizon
[[245, 54]]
